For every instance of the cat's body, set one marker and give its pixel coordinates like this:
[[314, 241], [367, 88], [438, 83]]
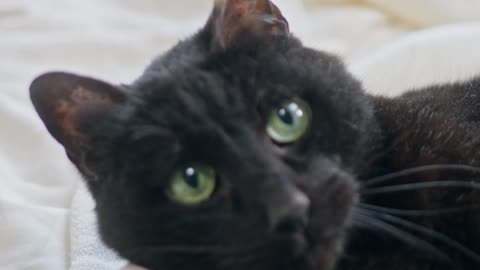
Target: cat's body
[[285, 150], [435, 125]]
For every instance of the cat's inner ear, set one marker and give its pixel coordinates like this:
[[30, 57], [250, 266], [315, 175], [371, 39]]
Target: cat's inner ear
[[70, 105], [237, 20]]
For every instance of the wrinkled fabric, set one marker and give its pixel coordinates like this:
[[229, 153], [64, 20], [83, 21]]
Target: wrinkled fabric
[[46, 215]]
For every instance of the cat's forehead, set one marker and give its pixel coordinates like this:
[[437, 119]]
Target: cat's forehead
[[190, 100], [194, 86], [281, 67]]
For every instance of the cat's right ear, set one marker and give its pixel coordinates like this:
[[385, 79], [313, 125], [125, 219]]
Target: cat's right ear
[[237, 21], [71, 106]]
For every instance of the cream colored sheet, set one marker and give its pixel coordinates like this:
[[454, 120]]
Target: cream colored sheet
[[46, 220]]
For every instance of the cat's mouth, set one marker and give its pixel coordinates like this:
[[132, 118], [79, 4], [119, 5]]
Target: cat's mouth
[[308, 251]]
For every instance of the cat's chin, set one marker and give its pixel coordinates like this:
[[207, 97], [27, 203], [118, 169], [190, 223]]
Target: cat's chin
[[319, 257], [307, 255]]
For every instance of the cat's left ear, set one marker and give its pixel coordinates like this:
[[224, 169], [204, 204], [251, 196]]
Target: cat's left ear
[[235, 21], [72, 106]]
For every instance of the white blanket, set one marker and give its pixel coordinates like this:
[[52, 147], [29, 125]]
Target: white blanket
[[46, 215]]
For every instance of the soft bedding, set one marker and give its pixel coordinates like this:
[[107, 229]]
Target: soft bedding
[[46, 215]]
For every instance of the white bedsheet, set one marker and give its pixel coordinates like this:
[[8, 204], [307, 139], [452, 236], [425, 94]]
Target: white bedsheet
[[46, 218]]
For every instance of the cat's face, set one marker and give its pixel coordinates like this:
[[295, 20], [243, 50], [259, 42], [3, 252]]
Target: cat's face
[[235, 150]]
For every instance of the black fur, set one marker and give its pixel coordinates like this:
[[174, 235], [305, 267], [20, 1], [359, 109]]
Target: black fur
[[206, 100]]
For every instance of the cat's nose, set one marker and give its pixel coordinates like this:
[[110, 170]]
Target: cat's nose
[[291, 215]]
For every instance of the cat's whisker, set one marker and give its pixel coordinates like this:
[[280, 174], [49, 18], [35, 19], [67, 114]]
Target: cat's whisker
[[426, 168], [366, 219], [418, 212], [419, 186], [431, 233]]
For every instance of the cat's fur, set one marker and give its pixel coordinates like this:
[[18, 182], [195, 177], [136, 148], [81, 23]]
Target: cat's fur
[[299, 206]]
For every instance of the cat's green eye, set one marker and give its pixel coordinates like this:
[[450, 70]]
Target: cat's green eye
[[192, 185], [289, 122]]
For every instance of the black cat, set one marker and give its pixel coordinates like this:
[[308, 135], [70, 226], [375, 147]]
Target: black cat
[[242, 149]]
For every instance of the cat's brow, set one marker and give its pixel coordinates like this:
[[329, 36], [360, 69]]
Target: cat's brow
[[140, 133]]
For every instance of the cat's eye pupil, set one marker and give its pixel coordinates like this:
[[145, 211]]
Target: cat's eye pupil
[[286, 116], [192, 184], [289, 122], [191, 177]]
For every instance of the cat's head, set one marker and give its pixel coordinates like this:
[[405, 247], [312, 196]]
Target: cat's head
[[237, 149]]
